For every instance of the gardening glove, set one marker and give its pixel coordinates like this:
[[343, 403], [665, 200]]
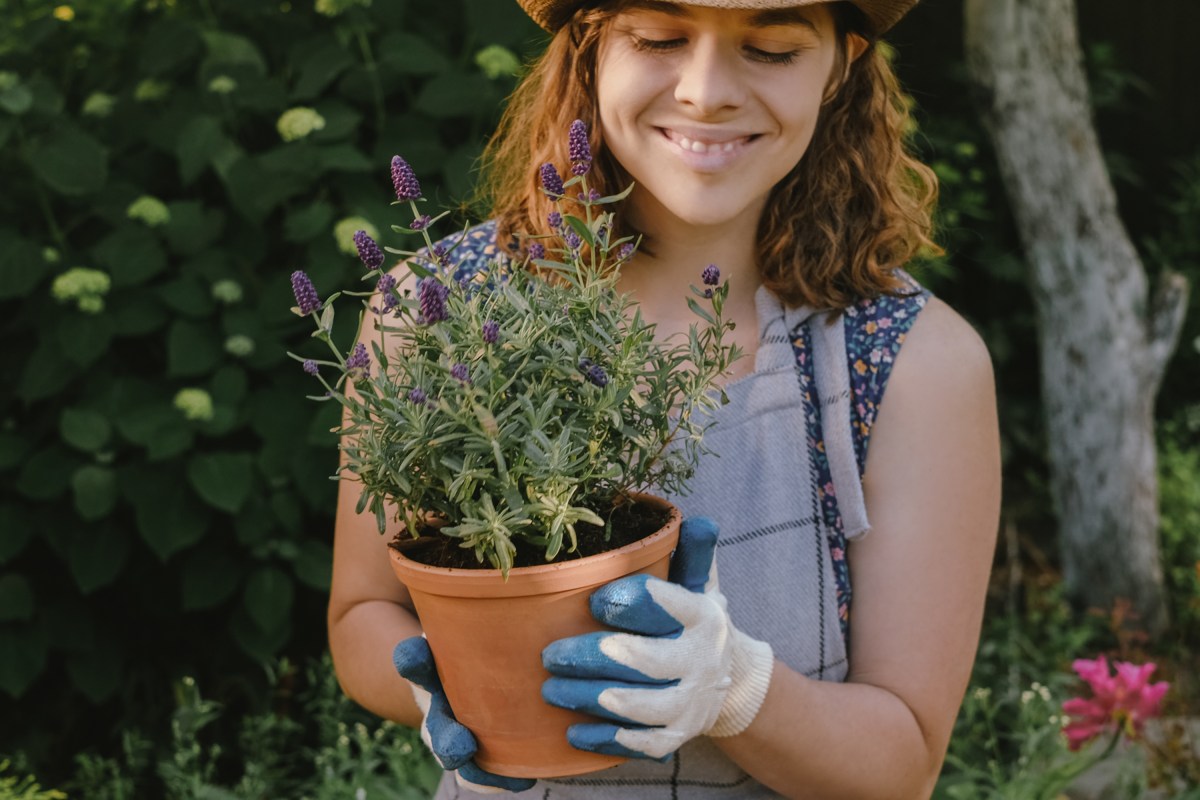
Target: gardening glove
[[680, 670], [449, 740]]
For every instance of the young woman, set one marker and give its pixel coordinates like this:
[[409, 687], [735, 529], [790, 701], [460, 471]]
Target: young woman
[[764, 136]]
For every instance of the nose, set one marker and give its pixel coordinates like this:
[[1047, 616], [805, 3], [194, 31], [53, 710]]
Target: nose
[[709, 77]]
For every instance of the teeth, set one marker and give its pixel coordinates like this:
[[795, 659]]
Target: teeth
[[701, 147]]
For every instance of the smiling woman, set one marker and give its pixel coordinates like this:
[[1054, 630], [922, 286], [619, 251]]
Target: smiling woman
[[766, 139]]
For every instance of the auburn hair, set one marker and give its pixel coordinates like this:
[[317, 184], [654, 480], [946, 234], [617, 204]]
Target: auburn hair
[[854, 210]]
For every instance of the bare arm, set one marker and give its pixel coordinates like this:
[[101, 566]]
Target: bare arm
[[370, 611], [932, 490]]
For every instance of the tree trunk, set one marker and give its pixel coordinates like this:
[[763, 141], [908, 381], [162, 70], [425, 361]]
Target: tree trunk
[[1104, 347]]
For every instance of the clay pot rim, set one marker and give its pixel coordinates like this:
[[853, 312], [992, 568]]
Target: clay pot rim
[[591, 570]]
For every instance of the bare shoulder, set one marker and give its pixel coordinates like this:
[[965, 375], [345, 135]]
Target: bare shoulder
[[941, 350]]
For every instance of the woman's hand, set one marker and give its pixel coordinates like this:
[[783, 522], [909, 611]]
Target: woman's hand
[[681, 670], [448, 739]]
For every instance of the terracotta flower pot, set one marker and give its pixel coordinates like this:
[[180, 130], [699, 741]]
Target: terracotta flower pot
[[487, 636]]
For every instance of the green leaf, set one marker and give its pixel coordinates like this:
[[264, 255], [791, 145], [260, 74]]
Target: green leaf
[[18, 530], [85, 337], [45, 374], [168, 44], [341, 120], [84, 429], [268, 597], [96, 556], [22, 658], [259, 644], [411, 55], [231, 49], [696, 309], [97, 672], [319, 66], [16, 598], [131, 255], [343, 158], [13, 447], [192, 227], [95, 491], [308, 222], [169, 518], [135, 312], [21, 266], [202, 140], [188, 295], [47, 473], [223, 480], [192, 348], [16, 99], [255, 191], [209, 578], [70, 161], [7, 126], [455, 94], [314, 564]]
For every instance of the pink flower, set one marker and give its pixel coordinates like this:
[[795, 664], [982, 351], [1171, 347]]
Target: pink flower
[[1119, 702]]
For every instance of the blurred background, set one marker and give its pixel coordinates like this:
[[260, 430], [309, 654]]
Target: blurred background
[[165, 494]]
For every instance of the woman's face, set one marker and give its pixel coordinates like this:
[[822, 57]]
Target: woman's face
[[708, 108]]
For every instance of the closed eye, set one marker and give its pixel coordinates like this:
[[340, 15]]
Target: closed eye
[[753, 53]]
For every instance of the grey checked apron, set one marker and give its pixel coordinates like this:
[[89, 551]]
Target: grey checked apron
[[773, 552]]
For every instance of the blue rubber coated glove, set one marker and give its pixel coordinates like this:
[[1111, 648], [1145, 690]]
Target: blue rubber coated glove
[[449, 740], [680, 670]]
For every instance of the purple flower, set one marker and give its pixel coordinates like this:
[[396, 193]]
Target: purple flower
[[404, 180], [578, 149], [417, 395], [368, 251], [359, 360], [626, 251], [310, 366], [306, 293], [420, 223], [386, 284], [708, 293], [459, 373], [551, 181], [711, 275], [554, 219], [491, 331], [572, 240], [537, 251], [593, 372], [439, 254], [432, 296]]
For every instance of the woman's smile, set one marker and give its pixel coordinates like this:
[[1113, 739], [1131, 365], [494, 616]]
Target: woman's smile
[[707, 151]]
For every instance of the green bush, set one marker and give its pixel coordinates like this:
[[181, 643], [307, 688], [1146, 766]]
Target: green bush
[[168, 507]]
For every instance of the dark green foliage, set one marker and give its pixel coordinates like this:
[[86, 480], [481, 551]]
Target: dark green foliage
[[168, 507]]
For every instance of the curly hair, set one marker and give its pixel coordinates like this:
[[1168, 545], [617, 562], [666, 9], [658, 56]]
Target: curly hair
[[854, 210]]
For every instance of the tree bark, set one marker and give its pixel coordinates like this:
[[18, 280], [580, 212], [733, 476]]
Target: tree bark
[[1104, 345]]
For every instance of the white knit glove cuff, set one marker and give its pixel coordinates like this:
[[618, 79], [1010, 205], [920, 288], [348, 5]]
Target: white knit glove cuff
[[750, 676]]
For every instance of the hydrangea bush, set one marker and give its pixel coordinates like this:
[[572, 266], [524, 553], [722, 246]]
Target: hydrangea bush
[[515, 403]]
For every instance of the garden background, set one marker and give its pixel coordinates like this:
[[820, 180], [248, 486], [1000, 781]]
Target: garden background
[[165, 501]]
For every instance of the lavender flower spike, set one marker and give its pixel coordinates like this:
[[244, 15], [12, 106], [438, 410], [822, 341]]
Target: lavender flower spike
[[368, 251], [306, 293], [432, 296], [491, 331], [459, 373], [359, 360], [310, 366], [420, 223], [537, 251], [404, 180], [554, 220], [711, 275], [551, 181], [578, 149], [417, 395]]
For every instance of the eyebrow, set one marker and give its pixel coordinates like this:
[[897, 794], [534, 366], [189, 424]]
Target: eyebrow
[[763, 19]]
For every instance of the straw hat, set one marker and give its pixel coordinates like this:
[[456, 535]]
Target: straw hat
[[881, 14]]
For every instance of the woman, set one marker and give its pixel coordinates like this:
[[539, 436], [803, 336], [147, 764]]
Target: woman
[[764, 136]]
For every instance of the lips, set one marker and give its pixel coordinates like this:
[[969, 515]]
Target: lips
[[708, 151]]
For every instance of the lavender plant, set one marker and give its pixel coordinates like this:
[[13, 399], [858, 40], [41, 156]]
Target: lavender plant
[[518, 402]]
